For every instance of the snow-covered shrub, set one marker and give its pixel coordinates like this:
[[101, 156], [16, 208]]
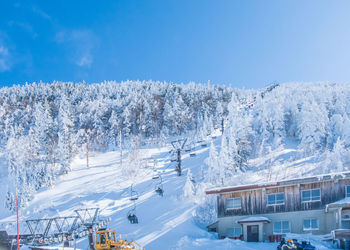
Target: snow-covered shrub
[[206, 210]]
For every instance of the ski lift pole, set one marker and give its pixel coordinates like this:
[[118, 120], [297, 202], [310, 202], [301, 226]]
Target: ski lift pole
[[178, 146], [178, 162], [63, 240], [17, 219], [120, 147]]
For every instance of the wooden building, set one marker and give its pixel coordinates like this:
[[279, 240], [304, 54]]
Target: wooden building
[[255, 212]]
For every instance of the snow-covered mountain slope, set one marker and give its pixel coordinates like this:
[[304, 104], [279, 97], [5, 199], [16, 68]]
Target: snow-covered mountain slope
[[44, 126], [105, 185], [168, 222]]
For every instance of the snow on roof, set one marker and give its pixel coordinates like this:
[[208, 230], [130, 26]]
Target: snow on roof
[[240, 187], [213, 224], [254, 219], [288, 182], [338, 204]]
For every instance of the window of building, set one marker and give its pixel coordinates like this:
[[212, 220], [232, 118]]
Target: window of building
[[234, 232], [311, 224], [345, 219], [281, 227], [347, 191], [275, 199], [234, 203], [311, 195]]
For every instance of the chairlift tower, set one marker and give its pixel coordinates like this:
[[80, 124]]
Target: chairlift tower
[[178, 146], [46, 231]]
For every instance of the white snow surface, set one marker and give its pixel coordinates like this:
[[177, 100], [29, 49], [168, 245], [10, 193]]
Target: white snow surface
[[164, 222], [344, 201], [253, 218]]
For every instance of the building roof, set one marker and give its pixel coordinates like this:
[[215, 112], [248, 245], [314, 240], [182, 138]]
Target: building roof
[[254, 219], [290, 182], [213, 225], [343, 203], [341, 234]]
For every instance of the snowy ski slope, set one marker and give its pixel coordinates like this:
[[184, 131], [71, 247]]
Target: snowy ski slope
[[164, 222]]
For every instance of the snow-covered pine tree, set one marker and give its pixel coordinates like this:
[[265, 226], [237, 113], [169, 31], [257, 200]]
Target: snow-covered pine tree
[[335, 158], [215, 173], [66, 135], [189, 190], [43, 139], [134, 161], [235, 144], [20, 169], [312, 125]]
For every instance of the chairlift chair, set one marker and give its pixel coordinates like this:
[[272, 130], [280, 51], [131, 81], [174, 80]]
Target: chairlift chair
[[133, 194], [155, 176], [134, 197], [159, 187], [132, 217], [159, 190], [192, 154], [154, 168]]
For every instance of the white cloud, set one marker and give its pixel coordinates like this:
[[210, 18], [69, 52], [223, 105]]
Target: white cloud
[[5, 63], [80, 43], [41, 13], [86, 60], [25, 26], [60, 37]]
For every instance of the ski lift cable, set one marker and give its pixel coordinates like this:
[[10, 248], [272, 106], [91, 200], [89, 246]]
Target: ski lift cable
[[140, 193], [132, 191], [160, 183], [134, 205]]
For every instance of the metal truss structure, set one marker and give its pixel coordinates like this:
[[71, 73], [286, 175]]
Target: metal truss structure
[[57, 229]]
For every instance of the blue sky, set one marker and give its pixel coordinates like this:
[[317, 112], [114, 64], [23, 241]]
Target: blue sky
[[241, 43]]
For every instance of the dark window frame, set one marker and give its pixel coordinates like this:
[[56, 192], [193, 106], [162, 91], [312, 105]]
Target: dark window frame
[[310, 196], [234, 208], [275, 204]]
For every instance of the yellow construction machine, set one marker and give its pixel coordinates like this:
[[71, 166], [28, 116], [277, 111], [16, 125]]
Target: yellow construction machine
[[106, 240]]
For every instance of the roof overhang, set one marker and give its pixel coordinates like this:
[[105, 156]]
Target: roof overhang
[[254, 219], [339, 205], [290, 182], [239, 188], [213, 225], [341, 234], [344, 203]]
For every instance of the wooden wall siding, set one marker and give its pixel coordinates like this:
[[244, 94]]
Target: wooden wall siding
[[255, 201]]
